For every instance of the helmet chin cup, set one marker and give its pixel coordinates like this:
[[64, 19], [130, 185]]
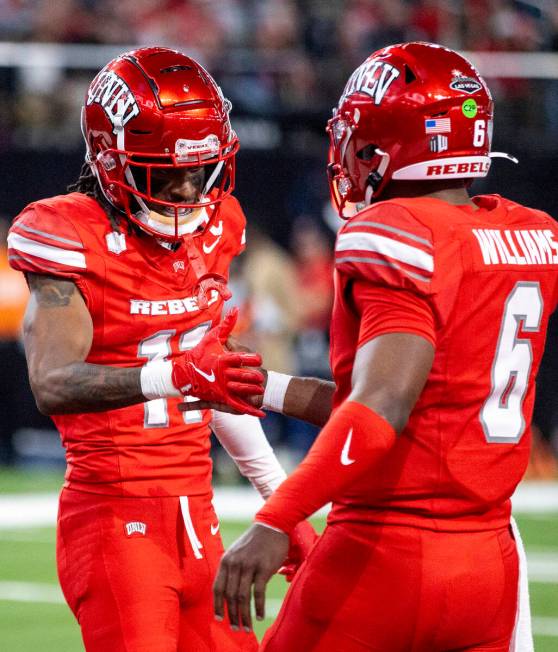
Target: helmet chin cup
[[186, 222]]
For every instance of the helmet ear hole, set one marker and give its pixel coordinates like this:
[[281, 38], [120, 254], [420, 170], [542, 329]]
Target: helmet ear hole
[[367, 153]]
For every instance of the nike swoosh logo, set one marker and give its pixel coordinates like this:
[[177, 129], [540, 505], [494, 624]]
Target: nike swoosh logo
[[209, 377], [207, 249], [217, 230], [214, 529], [345, 459]]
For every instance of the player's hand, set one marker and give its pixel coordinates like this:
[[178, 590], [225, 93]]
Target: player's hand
[[218, 376], [249, 562], [302, 540], [255, 401]]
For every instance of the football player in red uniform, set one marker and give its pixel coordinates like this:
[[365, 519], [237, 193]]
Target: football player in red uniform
[[441, 308], [128, 277]]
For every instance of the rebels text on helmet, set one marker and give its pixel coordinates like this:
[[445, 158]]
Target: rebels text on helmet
[[373, 78], [114, 95], [458, 169]]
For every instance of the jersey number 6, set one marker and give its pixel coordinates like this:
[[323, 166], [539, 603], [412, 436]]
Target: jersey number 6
[[502, 414]]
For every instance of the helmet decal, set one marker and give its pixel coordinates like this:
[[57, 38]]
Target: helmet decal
[[465, 84], [373, 78], [437, 125], [186, 149], [438, 143], [446, 168], [113, 94]]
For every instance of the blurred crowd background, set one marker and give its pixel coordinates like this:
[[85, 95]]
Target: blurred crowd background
[[283, 63]]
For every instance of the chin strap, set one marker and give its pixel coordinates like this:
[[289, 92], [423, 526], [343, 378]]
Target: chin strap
[[207, 281], [375, 178]]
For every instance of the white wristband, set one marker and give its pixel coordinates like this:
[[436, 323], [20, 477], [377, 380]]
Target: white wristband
[[275, 390], [156, 380]]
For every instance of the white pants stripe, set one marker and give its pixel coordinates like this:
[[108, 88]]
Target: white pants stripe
[[189, 525], [522, 639]]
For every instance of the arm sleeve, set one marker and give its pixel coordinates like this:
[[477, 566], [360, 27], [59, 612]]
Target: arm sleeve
[[352, 443], [243, 438]]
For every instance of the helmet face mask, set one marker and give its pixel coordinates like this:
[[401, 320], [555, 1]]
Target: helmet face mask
[[153, 114], [415, 111]]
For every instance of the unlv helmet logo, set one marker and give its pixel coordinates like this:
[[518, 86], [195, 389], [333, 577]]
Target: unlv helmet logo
[[373, 77], [114, 95]]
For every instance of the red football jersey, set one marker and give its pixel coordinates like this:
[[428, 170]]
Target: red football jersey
[[142, 301], [486, 282]]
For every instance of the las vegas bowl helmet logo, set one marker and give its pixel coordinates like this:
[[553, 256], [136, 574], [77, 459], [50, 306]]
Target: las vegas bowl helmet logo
[[410, 112], [152, 110]]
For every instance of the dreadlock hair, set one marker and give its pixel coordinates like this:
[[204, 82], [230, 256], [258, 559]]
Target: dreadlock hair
[[88, 184]]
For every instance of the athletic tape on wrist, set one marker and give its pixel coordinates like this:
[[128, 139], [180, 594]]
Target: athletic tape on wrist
[[156, 380], [275, 390]]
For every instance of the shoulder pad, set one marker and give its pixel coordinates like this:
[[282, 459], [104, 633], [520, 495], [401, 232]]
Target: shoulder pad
[[387, 245], [43, 241]]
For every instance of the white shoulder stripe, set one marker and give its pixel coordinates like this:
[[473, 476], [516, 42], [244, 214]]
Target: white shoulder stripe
[[44, 234], [404, 253], [377, 261], [47, 252], [387, 227]]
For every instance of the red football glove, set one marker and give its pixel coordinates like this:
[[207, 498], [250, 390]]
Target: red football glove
[[303, 537], [211, 373]]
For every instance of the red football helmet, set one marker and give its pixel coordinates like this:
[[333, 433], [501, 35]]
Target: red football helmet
[[150, 112], [414, 111]]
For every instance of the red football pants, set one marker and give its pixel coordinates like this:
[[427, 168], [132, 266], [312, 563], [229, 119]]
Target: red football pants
[[138, 573], [399, 589]]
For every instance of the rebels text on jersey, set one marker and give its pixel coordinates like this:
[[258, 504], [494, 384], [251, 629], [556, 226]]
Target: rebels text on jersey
[[143, 304], [480, 285]]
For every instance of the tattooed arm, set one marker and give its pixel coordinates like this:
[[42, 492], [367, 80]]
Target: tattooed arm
[[58, 333]]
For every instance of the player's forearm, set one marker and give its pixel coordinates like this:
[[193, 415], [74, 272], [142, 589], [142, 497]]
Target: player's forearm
[[83, 387], [350, 447], [243, 438], [308, 399]]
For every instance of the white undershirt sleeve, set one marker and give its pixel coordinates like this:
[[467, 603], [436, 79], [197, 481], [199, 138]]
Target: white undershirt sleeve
[[242, 436]]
